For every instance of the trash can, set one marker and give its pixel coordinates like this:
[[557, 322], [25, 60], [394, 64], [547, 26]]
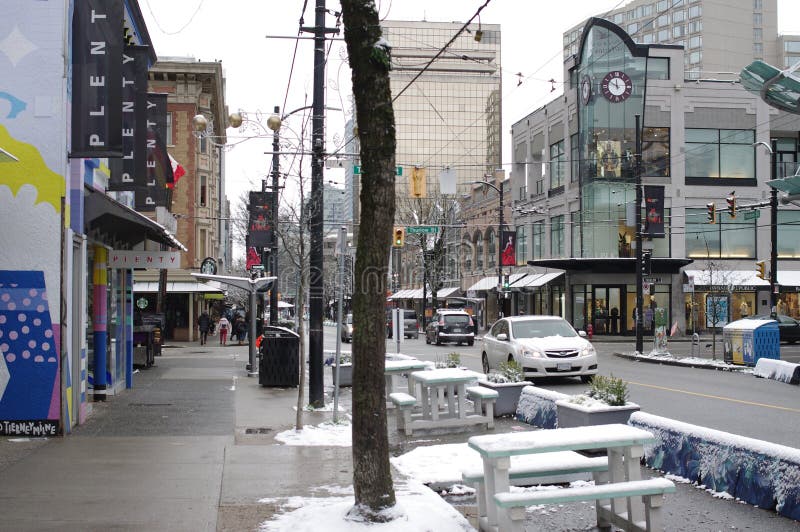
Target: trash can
[[746, 341], [278, 357], [143, 348]]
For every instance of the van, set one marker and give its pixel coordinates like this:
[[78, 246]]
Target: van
[[410, 327]]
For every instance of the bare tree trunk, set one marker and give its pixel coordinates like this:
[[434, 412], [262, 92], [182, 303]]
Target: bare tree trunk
[[370, 61], [300, 304]]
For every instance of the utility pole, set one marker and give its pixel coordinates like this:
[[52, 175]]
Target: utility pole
[[316, 392], [773, 229], [639, 254], [276, 165], [500, 281]]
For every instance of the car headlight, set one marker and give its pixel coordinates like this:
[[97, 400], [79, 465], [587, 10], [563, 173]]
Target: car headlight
[[588, 350], [530, 352]]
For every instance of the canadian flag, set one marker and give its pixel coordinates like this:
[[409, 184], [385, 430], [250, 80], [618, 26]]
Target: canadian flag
[[178, 171]]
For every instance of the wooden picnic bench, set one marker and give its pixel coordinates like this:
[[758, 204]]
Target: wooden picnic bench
[[624, 446], [394, 368]]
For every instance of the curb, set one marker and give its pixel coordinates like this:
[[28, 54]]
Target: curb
[[679, 362]]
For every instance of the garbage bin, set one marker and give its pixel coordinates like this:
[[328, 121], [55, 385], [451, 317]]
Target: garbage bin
[[746, 341], [143, 349], [278, 357]]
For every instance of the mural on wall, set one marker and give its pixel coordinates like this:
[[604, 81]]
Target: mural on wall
[[32, 129]]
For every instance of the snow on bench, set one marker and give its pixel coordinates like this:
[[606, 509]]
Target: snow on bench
[[651, 491], [778, 370], [404, 404], [484, 399]]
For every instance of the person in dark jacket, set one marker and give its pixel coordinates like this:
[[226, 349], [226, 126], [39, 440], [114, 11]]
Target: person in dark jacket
[[204, 324], [240, 328]]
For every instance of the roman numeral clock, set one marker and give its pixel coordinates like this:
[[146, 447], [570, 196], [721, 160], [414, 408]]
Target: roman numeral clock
[[616, 86]]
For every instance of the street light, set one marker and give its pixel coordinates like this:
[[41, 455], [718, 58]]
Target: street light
[[773, 230], [501, 223]]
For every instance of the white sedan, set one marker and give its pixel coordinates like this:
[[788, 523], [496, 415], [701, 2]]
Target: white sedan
[[545, 346]]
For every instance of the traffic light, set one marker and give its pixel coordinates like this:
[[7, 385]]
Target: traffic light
[[731, 204], [399, 237], [712, 213], [506, 282], [647, 266], [761, 269]]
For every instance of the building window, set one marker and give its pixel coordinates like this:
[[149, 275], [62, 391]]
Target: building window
[[662, 5], [757, 35], [727, 239], [791, 46], [695, 11], [523, 193], [575, 230], [757, 4], [537, 250], [695, 26], [557, 236], [720, 153], [696, 41], [169, 130], [655, 152], [522, 246], [467, 250], [678, 31], [574, 158], [203, 190], [657, 68], [678, 16], [478, 250], [663, 20], [663, 36], [203, 145], [695, 57], [758, 50], [633, 28], [757, 20], [788, 234], [558, 165]]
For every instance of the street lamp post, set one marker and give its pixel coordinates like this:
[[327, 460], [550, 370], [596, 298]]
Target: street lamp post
[[639, 255], [274, 123]]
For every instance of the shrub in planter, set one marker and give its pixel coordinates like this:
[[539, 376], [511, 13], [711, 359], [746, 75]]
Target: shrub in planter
[[453, 360], [345, 370], [605, 402], [508, 383]]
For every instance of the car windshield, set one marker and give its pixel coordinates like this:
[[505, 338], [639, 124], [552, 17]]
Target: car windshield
[[410, 315], [456, 319], [349, 318], [541, 328]]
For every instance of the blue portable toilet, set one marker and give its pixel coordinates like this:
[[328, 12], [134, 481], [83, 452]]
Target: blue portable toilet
[[746, 341]]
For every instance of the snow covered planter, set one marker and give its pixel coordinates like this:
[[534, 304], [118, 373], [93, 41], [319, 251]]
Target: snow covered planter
[[605, 402], [779, 370], [345, 370], [764, 474], [508, 383], [537, 407]]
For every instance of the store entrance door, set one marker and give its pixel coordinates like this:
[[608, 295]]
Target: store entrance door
[[607, 310]]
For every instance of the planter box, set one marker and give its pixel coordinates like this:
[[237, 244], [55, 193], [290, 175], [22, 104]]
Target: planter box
[[575, 415], [508, 396], [345, 374]]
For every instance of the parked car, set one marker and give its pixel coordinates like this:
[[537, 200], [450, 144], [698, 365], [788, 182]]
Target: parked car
[[410, 328], [788, 327], [347, 328], [450, 326], [545, 346]]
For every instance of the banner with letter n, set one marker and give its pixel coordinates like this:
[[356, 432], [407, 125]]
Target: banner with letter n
[[125, 171], [97, 79], [153, 191], [654, 211], [260, 227]]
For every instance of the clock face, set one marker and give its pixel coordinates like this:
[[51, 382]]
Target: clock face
[[617, 86], [586, 89]]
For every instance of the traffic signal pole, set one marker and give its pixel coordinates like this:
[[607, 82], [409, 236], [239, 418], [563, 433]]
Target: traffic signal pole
[[639, 255]]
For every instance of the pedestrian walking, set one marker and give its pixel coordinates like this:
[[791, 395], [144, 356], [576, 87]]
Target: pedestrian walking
[[224, 325], [240, 327], [204, 325]]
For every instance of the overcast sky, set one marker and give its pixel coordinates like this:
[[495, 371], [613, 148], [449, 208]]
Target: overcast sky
[[260, 66]]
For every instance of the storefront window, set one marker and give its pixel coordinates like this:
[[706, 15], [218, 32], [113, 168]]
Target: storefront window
[[655, 152]]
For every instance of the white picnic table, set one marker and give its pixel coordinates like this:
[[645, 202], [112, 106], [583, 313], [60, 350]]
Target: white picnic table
[[623, 443], [394, 368]]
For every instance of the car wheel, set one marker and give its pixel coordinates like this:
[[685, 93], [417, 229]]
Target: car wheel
[[586, 379], [438, 340], [485, 363], [416, 337], [427, 340], [471, 343]]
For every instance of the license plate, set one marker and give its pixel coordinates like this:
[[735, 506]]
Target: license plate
[[456, 330], [563, 367]]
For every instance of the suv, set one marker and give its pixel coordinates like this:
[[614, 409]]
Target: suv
[[450, 326], [410, 329]]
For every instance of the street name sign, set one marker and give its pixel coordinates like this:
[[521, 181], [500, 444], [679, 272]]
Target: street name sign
[[422, 230]]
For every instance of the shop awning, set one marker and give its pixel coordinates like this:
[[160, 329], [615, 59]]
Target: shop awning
[[116, 222], [612, 265], [416, 293], [533, 280], [779, 88], [176, 287], [490, 283], [718, 278]]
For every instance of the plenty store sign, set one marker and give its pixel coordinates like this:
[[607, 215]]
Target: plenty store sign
[[144, 259]]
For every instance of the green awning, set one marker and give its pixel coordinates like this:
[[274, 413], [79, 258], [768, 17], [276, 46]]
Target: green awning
[[778, 88]]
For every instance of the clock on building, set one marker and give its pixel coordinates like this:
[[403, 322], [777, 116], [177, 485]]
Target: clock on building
[[586, 89], [616, 86]]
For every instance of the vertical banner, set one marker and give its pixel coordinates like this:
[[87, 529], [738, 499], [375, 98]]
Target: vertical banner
[[97, 79], [260, 228], [153, 191], [654, 211], [509, 255], [124, 171]]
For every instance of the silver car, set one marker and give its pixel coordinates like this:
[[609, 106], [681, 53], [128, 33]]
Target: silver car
[[545, 346], [347, 328]]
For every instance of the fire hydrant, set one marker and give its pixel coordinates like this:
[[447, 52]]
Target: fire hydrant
[[589, 331]]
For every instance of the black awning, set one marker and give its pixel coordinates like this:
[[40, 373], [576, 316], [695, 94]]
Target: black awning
[[612, 265], [118, 223]]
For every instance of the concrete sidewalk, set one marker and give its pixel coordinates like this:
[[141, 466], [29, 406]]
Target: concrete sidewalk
[[192, 447]]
